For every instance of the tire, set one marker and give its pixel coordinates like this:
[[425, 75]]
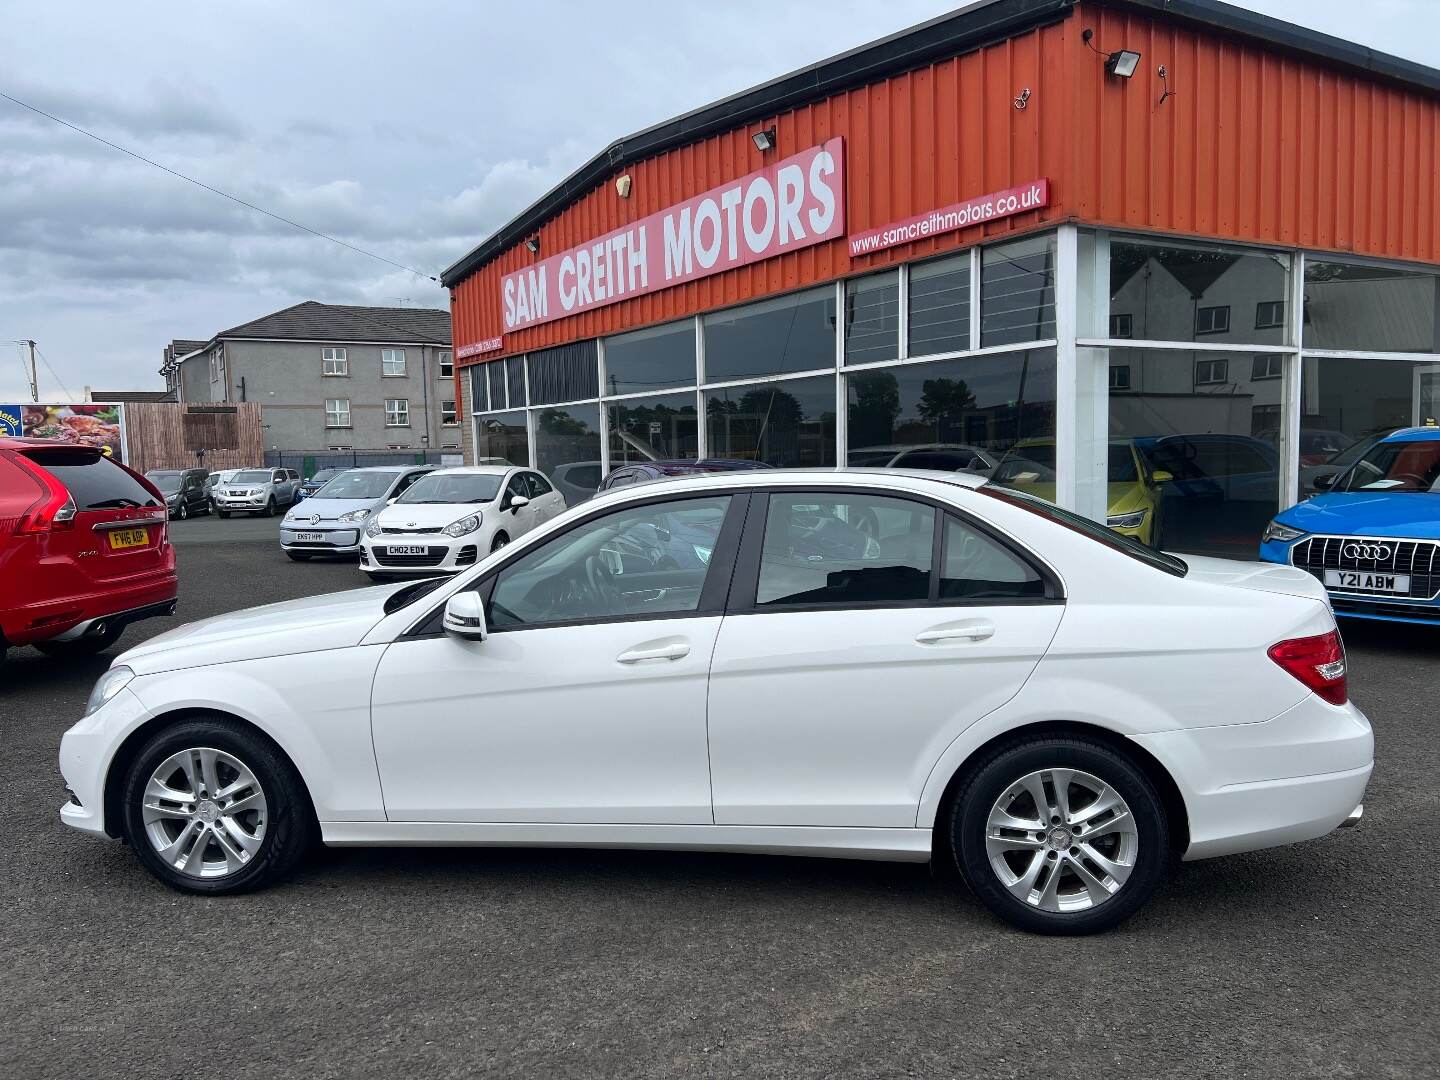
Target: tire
[[281, 828], [499, 542], [184, 511], [224, 514], [88, 645], [270, 507], [298, 556], [1003, 780]]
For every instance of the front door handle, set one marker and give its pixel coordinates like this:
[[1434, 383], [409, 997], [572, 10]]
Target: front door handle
[[968, 632], [674, 650]]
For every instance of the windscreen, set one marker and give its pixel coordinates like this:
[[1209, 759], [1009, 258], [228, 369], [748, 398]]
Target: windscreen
[[1413, 465], [356, 484], [455, 488], [1122, 464], [95, 483], [251, 476], [165, 480]]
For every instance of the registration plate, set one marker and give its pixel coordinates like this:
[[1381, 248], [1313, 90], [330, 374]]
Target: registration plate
[[406, 549], [128, 538], [1363, 579], [309, 538]]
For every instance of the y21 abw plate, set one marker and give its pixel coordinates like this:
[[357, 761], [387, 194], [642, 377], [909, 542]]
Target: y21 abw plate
[[1351, 579]]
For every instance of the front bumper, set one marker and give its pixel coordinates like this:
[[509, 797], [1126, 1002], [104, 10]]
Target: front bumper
[[443, 554], [1378, 607], [1249, 786], [332, 541], [242, 503]]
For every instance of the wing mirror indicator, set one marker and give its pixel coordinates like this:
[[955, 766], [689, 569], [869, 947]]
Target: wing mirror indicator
[[465, 616]]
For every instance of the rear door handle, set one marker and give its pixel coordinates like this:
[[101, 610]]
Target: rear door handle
[[970, 632], [672, 651]]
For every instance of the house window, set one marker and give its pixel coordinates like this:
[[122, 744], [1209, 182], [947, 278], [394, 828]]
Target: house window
[[1122, 326], [1119, 376], [447, 365], [334, 362], [392, 361], [397, 412], [447, 413], [337, 412], [1266, 367], [1211, 372], [1212, 320], [1269, 314]]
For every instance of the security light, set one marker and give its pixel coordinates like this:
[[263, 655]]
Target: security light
[[622, 186], [1123, 63], [764, 140], [533, 244]]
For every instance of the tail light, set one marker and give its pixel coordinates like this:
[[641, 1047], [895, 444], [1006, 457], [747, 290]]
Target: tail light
[[53, 511], [1318, 662]]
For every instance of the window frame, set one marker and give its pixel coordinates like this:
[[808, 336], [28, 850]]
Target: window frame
[[454, 412], [405, 413], [1224, 378], [445, 358], [347, 413], [385, 355], [341, 359], [1212, 329], [1267, 360], [746, 579], [1278, 324], [1128, 325]]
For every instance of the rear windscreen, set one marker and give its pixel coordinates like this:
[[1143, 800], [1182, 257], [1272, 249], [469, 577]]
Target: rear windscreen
[[94, 483]]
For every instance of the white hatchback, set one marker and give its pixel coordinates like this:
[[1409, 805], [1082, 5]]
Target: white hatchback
[[449, 518], [869, 664]]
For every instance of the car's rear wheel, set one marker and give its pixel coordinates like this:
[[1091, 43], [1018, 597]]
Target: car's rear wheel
[[211, 807], [1060, 835], [88, 645]]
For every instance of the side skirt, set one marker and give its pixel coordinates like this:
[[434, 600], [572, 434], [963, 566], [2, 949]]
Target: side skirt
[[898, 845]]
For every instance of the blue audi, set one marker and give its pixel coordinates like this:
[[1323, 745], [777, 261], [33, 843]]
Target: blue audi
[[1374, 536]]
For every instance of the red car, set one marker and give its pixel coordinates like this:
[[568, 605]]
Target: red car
[[83, 548]]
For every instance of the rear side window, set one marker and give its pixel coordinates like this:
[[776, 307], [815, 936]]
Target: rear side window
[[94, 483], [975, 567]]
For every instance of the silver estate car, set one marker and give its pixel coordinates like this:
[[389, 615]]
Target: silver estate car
[[330, 521], [256, 491]]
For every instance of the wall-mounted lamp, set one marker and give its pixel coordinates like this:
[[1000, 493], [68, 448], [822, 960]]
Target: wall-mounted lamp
[[622, 186], [1123, 63], [533, 244], [764, 140]]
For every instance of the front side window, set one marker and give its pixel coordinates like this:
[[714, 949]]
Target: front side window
[[337, 412], [539, 486], [643, 560], [845, 549], [392, 361], [334, 362], [397, 412]]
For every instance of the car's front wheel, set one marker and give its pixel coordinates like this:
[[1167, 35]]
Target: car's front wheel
[[499, 542], [211, 807], [1060, 835], [183, 511], [270, 507]]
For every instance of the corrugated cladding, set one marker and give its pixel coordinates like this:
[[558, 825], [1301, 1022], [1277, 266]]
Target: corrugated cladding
[[1256, 145]]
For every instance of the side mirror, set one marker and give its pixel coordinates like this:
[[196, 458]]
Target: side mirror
[[1162, 476], [518, 501], [1323, 482], [465, 616]]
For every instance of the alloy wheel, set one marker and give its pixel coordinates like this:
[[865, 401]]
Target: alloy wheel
[[204, 812], [1061, 840]]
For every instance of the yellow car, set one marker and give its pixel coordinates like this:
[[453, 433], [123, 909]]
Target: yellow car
[[1134, 488]]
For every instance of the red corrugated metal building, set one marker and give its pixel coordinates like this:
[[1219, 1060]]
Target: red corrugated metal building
[[1164, 261]]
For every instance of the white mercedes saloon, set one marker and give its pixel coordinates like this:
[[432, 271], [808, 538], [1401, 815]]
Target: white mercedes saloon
[[861, 664]]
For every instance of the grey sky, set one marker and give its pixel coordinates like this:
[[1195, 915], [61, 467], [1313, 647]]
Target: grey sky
[[413, 129]]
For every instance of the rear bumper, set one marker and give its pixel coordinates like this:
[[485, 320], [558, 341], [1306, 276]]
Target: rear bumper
[[151, 597], [1249, 786]]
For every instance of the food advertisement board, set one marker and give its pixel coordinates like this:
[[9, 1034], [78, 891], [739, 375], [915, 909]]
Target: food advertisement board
[[84, 424]]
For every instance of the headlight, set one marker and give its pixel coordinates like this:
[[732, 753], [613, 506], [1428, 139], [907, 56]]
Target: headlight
[[1283, 533], [107, 686], [372, 527], [172, 498], [1127, 521], [353, 516], [463, 526]]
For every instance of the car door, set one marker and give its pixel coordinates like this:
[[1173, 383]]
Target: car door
[[550, 502], [517, 520], [586, 702], [865, 632]]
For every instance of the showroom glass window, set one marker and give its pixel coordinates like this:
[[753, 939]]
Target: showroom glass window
[[788, 424], [955, 415], [651, 359], [1357, 306], [479, 389], [872, 318], [568, 436], [1017, 291], [772, 337], [1214, 429], [1170, 290], [502, 437], [1349, 404], [940, 306], [654, 428], [567, 373]]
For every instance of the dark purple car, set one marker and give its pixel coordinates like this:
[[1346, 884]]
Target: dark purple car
[[644, 472]]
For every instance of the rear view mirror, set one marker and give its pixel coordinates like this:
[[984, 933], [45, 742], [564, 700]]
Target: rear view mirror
[[1162, 476], [465, 616]]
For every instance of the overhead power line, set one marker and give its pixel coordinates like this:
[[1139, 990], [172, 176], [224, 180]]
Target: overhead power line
[[217, 191], [45, 360]]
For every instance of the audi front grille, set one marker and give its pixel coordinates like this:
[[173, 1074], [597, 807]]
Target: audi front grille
[[1419, 559]]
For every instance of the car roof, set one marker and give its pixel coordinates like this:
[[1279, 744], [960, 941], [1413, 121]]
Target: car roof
[[1414, 434], [878, 478], [478, 470], [390, 468]]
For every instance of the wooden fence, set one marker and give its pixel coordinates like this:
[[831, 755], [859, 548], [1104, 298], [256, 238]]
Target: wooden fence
[[169, 435]]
